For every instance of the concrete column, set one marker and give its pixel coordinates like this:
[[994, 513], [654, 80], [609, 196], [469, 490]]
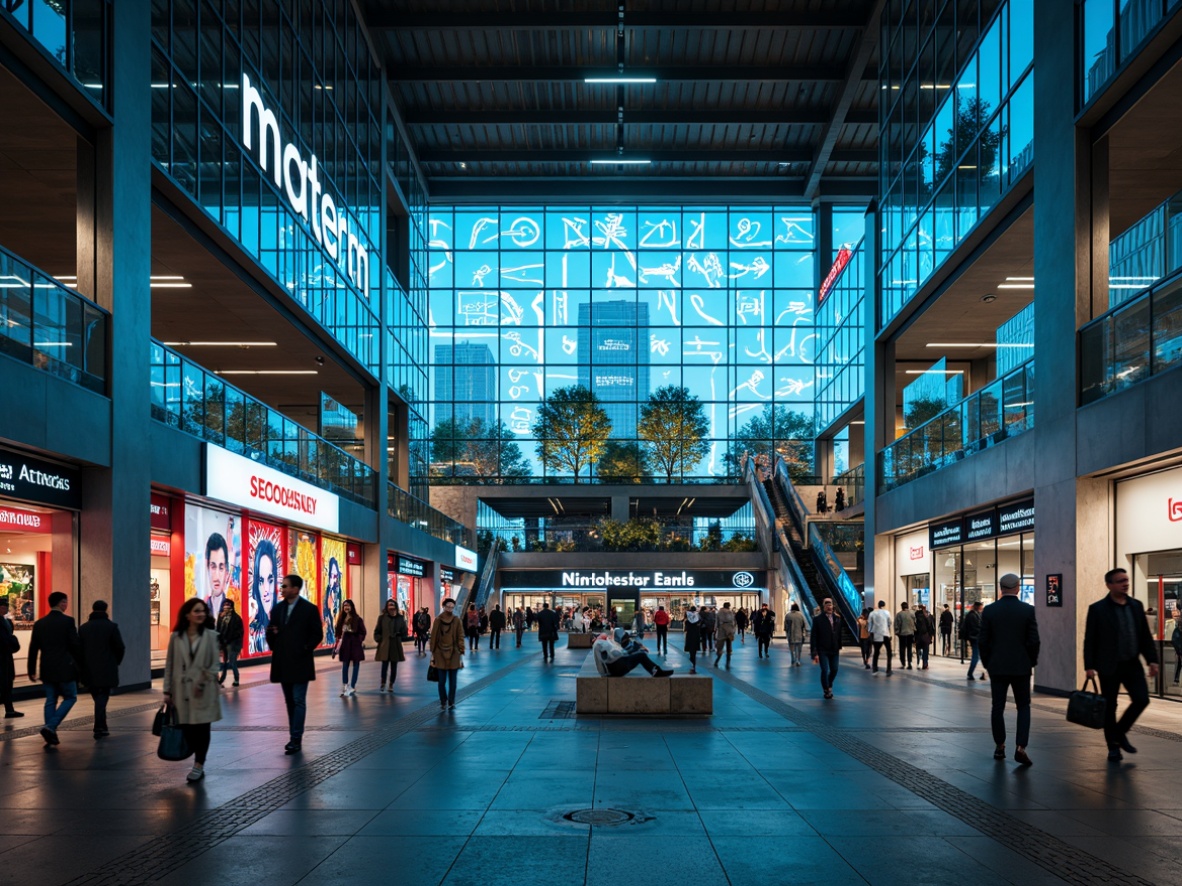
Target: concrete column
[[877, 385]]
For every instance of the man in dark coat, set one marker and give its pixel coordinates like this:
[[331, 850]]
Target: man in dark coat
[[547, 631], [971, 631], [763, 623], [496, 624], [55, 640], [1009, 646], [294, 632], [825, 644], [8, 645], [1116, 635], [102, 653]]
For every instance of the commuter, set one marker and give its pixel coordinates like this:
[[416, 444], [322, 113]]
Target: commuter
[[293, 633], [472, 627], [879, 626], [518, 624], [547, 621], [484, 624], [763, 623], [230, 633], [661, 622], [742, 621], [724, 627], [1009, 651], [905, 631], [351, 634], [55, 639], [971, 630], [709, 619], [496, 624], [102, 653], [529, 619], [447, 652], [9, 644], [612, 660], [864, 637], [925, 630], [946, 620], [388, 633], [822, 503], [584, 620], [839, 499], [422, 630], [191, 678], [794, 630], [825, 645], [693, 637], [638, 623], [1116, 636]]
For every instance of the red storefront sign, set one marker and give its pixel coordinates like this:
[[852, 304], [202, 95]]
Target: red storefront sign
[[843, 259], [161, 512], [23, 521], [160, 546]]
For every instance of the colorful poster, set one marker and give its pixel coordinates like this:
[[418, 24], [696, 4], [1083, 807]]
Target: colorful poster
[[213, 557], [302, 555], [18, 586], [265, 553], [332, 558]]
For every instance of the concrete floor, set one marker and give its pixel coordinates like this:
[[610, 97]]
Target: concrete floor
[[891, 782]]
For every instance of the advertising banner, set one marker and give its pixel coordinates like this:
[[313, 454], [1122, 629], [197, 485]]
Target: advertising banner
[[213, 557], [335, 579], [265, 559]]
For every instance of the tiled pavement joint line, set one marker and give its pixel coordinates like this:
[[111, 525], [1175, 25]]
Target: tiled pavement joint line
[[1065, 861], [162, 855]]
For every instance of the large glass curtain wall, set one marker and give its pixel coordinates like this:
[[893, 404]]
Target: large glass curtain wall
[[841, 342], [75, 33]]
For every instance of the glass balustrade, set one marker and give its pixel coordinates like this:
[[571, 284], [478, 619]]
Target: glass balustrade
[[417, 513], [853, 482]]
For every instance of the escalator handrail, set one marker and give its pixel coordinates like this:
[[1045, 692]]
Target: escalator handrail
[[790, 569], [479, 593]]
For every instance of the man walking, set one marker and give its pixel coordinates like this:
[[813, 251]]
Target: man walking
[[293, 634], [946, 630], [518, 624], [55, 639], [971, 630], [102, 653], [1009, 645], [709, 619], [825, 644], [905, 631], [661, 621], [724, 627], [1116, 636], [879, 626], [9, 644], [547, 631], [794, 629], [763, 623], [496, 624]]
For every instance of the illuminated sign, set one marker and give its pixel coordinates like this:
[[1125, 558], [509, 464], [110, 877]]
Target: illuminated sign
[[410, 566], [592, 579], [28, 521], [843, 259], [238, 480], [160, 547], [465, 559], [161, 512], [22, 476]]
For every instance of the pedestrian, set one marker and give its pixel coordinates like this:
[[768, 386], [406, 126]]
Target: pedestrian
[[230, 633], [971, 630], [547, 631], [864, 637], [905, 631], [293, 633], [946, 621], [529, 618], [496, 624], [1116, 637], [822, 506], [839, 499], [447, 652], [102, 653], [925, 631], [9, 644], [388, 633], [763, 623], [709, 619], [638, 623], [483, 623], [795, 627], [518, 624], [55, 640], [693, 637], [351, 633], [1009, 651], [422, 630], [1176, 642], [612, 660], [661, 623], [472, 627], [879, 626], [191, 678], [825, 645], [724, 633], [741, 623]]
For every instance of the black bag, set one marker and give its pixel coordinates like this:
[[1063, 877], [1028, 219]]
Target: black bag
[[432, 674], [172, 744], [158, 722], [1087, 708]]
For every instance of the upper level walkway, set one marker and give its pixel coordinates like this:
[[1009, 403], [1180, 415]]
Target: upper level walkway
[[891, 782]]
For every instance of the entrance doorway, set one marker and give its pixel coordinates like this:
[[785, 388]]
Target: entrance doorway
[[1157, 583]]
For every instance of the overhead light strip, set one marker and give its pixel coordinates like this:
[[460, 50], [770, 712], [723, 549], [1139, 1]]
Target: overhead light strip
[[618, 80]]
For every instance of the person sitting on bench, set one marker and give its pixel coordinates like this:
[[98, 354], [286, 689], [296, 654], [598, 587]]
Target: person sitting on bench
[[611, 659]]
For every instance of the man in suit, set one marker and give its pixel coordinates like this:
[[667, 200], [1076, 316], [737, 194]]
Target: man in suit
[[55, 639], [8, 645], [1008, 643], [547, 631], [102, 653], [1116, 635], [825, 644], [294, 632]]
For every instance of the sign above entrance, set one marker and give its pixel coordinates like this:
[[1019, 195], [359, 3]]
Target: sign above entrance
[[161, 512], [23, 521], [943, 535], [406, 565], [237, 480], [465, 559], [979, 526], [22, 476], [644, 579], [1008, 519]]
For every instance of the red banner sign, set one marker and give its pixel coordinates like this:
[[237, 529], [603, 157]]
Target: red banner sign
[[843, 259], [27, 521]]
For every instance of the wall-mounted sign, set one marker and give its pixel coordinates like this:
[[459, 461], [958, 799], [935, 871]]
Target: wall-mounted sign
[[446, 574], [409, 566], [161, 512], [160, 546], [694, 580], [843, 258], [943, 535], [979, 526], [238, 480], [22, 476], [1018, 517], [1055, 589], [1002, 520], [353, 554], [465, 559], [23, 521]]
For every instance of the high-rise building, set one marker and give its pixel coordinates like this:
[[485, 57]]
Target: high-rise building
[[465, 383], [614, 360]]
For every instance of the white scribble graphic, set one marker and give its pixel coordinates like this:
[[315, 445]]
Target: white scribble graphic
[[709, 268], [480, 273], [478, 229], [519, 347], [520, 419], [658, 345], [559, 303], [666, 229], [699, 306], [762, 353], [700, 349], [614, 280], [747, 233], [520, 274], [668, 299], [697, 236], [758, 267], [574, 233], [749, 304], [793, 387], [798, 308], [752, 385], [666, 270], [476, 308], [569, 345], [794, 231]]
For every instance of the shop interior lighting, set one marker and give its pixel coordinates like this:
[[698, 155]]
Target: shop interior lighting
[[950, 563], [621, 79]]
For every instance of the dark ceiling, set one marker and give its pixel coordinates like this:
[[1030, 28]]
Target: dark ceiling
[[772, 100]]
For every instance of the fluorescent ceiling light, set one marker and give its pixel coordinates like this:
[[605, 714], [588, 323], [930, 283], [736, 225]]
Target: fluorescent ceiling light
[[1015, 286], [620, 79], [267, 372], [171, 285], [221, 344], [1016, 405], [52, 344], [978, 344], [857, 423], [1031, 279], [620, 161], [936, 371]]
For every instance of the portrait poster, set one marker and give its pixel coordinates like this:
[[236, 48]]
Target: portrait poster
[[265, 554], [334, 580], [213, 557], [18, 585], [303, 550]]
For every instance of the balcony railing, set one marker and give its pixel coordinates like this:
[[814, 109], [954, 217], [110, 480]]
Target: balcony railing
[[853, 482], [1146, 252], [49, 326], [647, 535], [1136, 340], [1003, 408], [187, 397], [417, 513]]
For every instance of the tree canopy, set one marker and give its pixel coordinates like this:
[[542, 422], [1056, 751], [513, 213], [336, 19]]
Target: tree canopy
[[780, 429], [673, 426], [572, 429], [622, 462], [478, 451]]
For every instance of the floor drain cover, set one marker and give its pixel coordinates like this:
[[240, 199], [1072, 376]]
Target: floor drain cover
[[600, 816]]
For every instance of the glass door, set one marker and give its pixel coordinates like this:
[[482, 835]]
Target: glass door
[[1157, 583]]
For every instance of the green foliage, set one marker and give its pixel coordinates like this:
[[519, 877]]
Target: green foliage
[[781, 429], [622, 463], [477, 451], [923, 409], [969, 119], [713, 539], [572, 429], [740, 543], [484, 541], [633, 535], [673, 426]]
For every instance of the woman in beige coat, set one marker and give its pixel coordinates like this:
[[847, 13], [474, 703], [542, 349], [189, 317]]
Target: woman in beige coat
[[447, 651], [191, 679]]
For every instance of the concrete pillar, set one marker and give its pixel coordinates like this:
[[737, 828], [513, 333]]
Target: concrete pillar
[[877, 385]]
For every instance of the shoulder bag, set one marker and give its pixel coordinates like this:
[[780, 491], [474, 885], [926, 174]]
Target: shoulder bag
[[432, 674], [172, 740], [1086, 708]]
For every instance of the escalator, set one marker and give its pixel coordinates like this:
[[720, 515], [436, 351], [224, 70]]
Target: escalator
[[770, 527]]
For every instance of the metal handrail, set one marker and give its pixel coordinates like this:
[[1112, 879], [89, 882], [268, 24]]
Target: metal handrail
[[790, 573], [488, 574]]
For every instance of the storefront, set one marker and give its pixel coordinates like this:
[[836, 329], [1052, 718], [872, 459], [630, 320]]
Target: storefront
[[39, 504], [408, 580]]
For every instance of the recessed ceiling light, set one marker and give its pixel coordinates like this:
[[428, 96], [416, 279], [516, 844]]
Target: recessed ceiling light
[[620, 161], [620, 79]]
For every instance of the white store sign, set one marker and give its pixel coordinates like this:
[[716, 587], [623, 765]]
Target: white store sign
[[465, 559], [237, 480], [912, 556], [1149, 513]]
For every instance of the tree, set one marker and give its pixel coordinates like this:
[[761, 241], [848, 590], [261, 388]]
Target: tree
[[477, 450], [572, 430], [779, 429], [673, 426], [622, 463], [970, 117]]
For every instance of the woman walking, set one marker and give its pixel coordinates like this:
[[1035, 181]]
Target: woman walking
[[693, 636], [741, 622], [724, 633], [472, 627], [388, 634], [447, 652], [794, 627], [350, 631], [422, 630], [191, 679], [230, 631], [864, 636]]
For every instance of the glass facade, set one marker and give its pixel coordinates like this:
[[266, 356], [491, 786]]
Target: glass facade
[[1111, 32], [957, 130], [75, 33], [623, 300], [841, 337]]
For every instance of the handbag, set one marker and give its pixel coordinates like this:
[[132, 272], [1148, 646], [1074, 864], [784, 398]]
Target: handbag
[[1086, 708], [432, 674], [173, 745]]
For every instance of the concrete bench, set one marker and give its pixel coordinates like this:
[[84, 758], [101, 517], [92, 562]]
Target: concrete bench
[[638, 694], [575, 640]]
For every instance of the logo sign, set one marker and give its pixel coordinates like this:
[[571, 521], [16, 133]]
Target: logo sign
[[26, 521], [465, 559], [982, 525], [916, 552], [1174, 509], [22, 476], [942, 535], [410, 566], [160, 547], [446, 574], [1018, 517], [299, 179], [593, 579], [743, 579], [1055, 589], [161, 512], [238, 480], [843, 258]]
